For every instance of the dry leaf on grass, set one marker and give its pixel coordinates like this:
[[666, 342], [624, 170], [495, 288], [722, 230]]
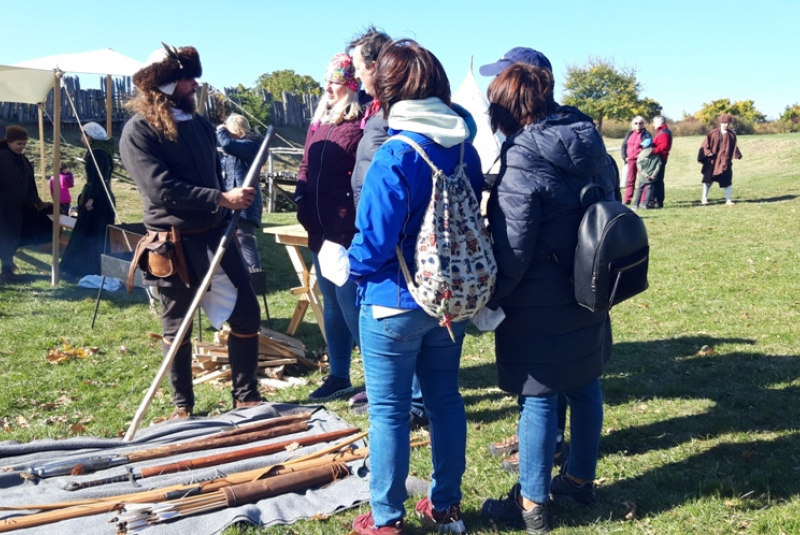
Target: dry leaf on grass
[[630, 509], [67, 352]]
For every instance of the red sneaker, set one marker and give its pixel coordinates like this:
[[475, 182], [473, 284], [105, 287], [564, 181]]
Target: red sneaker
[[365, 525], [448, 521]]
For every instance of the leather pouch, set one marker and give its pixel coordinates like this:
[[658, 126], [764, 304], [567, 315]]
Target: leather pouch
[[161, 261]]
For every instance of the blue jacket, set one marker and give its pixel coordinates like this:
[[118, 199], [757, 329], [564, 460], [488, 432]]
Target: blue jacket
[[239, 155], [547, 342], [394, 199]]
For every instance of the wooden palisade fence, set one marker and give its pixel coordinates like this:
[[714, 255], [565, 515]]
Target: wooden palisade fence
[[91, 105]]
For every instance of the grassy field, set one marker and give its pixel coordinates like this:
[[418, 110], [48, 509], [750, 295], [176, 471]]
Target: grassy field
[[702, 422]]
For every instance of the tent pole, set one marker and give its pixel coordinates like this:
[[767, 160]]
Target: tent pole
[[54, 276], [201, 105], [109, 104], [42, 151]]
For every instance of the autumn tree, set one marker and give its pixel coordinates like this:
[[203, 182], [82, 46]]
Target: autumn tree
[[276, 82], [791, 114], [743, 110], [603, 91]]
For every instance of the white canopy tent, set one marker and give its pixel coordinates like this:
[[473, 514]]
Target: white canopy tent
[[487, 143], [30, 82]]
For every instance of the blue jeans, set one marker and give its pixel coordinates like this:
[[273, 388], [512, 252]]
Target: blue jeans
[[538, 427], [393, 349], [246, 232], [340, 313]]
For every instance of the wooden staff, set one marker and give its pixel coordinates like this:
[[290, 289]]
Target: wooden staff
[[213, 460], [86, 465]]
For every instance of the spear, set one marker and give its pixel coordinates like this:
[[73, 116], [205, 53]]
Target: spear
[[137, 517], [212, 460], [85, 465], [250, 180]]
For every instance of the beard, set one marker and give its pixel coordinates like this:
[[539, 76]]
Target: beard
[[184, 103]]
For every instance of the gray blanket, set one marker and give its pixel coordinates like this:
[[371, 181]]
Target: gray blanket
[[16, 458]]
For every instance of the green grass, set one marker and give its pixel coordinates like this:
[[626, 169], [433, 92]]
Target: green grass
[[702, 418]]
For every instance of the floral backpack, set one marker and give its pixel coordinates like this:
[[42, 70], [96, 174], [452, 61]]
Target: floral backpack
[[455, 268]]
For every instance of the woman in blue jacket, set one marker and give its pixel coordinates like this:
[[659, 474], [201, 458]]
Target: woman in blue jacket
[[240, 146], [397, 336], [547, 343]]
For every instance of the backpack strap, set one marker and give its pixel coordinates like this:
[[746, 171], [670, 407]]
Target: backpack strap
[[414, 145]]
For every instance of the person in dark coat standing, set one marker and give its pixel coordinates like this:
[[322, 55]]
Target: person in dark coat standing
[[95, 206], [240, 145], [631, 146], [23, 215], [717, 152], [326, 210], [171, 154], [547, 343]]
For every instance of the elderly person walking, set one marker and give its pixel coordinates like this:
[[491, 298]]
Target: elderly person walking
[[398, 337], [326, 210], [240, 145], [717, 152], [547, 343], [631, 146]]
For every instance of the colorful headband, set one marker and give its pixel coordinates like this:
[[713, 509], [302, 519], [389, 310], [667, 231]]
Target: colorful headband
[[341, 71]]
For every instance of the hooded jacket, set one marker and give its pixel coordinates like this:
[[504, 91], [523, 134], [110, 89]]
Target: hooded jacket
[[396, 195], [547, 341]]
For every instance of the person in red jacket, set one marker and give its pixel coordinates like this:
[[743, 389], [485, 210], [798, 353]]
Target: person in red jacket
[[662, 144], [631, 146]]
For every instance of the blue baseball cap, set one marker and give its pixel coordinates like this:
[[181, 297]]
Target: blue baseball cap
[[519, 54]]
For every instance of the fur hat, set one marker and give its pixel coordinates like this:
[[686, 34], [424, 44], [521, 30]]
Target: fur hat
[[168, 65], [16, 133], [726, 118]]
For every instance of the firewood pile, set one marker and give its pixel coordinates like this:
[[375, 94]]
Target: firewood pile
[[280, 359]]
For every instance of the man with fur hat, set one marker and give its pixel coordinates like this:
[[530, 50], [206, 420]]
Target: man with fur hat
[[170, 152], [716, 154], [23, 215]]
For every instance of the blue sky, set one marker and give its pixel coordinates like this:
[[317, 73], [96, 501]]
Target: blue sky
[[685, 52]]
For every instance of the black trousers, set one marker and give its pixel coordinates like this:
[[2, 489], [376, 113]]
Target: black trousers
[[242, 352]]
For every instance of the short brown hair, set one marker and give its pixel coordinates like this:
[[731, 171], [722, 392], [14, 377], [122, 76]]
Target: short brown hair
[[520, 95], [371, 43], [407, 71]]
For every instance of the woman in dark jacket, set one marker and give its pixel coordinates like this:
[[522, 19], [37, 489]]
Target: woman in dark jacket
[[23, 215], [240, 146], [95, 206], [547, 343], [325, 209]]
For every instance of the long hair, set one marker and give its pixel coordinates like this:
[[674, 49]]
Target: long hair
[[346, 109], [156, 108], [237, 125]]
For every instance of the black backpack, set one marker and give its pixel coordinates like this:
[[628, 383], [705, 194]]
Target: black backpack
[[613, 253]]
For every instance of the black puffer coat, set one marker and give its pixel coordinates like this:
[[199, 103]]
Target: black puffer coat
[[547, 341]]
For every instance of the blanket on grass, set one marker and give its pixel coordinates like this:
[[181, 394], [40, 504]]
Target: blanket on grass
[[285, 509]]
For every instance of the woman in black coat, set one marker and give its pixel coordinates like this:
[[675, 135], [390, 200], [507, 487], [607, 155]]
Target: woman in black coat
[[95, 206], [547, 343]]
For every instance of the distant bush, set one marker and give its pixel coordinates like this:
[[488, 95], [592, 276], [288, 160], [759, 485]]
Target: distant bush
[[777, 127], [689, 127], [614, 128], [744, 127]]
